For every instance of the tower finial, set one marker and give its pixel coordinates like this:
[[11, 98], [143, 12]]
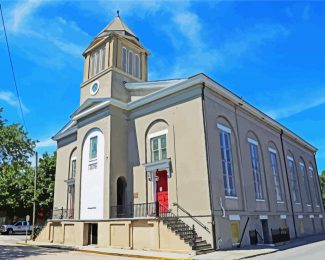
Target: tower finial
[[117, 13]]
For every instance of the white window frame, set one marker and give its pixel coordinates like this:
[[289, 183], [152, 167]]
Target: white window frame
[[130, 54], [97, 61], [125, 60], [256, 168], [136, 66], [304, 176], [311, 172], [224, 128], [276, 176], [73, 159], [227, 164], [90, 148], [294, 181], [159, 146]]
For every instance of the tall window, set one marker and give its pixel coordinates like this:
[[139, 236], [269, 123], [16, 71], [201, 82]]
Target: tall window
[[137, 66], [130, 62], [158, 148], [124, 59], [314, 183], [293, 180], [71, 195], [275, 173], [305, 182], [256, 169], [227, 161], [97, 61], [93, 148], [73, 168]]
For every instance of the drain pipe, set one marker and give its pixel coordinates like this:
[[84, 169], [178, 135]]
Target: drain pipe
[[287, 175], [222, 208], [318, 182], [208, 167]]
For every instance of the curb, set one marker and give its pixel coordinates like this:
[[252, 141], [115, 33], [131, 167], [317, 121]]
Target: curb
[[103, 253]]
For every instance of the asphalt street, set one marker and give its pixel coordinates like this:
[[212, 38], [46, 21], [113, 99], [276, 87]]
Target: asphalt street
[[10, 250], [314, 251]]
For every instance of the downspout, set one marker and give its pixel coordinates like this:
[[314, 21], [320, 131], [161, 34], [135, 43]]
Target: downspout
[[287, 175], [320, 187], [208, 167]]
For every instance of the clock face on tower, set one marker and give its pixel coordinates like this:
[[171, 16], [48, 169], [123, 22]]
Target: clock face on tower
[[94, 87]]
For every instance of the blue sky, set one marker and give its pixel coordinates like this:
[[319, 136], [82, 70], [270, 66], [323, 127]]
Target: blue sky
[[270, 53]]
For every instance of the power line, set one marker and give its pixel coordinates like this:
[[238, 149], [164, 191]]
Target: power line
[[13, 72]]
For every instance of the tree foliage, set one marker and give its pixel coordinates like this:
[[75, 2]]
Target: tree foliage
[[322, 184], [17, 173], [15, 145]]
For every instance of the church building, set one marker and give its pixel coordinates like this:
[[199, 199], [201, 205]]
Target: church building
[[180, 165]]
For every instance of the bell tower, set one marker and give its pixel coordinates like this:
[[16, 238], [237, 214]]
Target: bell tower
[[113, 58]]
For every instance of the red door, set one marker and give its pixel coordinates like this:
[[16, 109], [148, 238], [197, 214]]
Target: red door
[[162, 190]]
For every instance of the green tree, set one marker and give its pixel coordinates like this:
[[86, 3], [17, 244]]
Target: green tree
[[17, 174], [322, 184], [15, 145]]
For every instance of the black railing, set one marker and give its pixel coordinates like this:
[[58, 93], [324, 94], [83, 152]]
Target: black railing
[[254, 236], [63, 213], [134, 210], [192, 217], [280, 235]]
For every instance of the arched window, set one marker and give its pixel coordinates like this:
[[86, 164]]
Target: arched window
[[293, 178], [130, 61], [97, 61], [124, 59], [273, 153], [306, 192], [256, 165], [121, 191], [314, 184], [137, 66], [225, 133]]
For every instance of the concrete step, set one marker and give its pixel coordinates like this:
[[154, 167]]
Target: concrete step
[[201, 247], [204, 251]]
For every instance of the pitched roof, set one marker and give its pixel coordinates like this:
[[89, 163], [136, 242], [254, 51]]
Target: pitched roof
[[117, 26]]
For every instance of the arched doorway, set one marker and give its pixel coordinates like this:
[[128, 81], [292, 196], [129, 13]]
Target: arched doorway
[[121, 197]]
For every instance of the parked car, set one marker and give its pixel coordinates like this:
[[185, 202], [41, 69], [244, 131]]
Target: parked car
[[18, 228]]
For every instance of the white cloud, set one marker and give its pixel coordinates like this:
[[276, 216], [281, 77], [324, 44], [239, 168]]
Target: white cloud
[[22, 11], [11, 99], [296, 106], [46, 143]]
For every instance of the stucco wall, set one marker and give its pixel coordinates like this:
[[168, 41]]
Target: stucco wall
[[188, 185], [126, 234], [244, 126]]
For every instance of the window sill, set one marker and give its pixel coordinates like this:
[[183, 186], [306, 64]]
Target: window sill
[[308, 205], [280, 202], [260, 200], [232, 197], [298, 203], [317, 206]]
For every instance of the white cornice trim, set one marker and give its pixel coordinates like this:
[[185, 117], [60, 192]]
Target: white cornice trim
[[214, 86]]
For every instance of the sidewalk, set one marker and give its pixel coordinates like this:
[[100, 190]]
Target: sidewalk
[[253, 251], [243, 253], [117, 252]]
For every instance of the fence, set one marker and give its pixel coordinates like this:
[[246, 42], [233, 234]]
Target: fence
[[280, 235]]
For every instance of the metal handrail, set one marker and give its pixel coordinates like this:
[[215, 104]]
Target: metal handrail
[[194, 218], [259, 235]]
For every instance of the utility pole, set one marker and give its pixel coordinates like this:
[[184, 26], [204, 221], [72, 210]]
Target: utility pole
[[34, 200]]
